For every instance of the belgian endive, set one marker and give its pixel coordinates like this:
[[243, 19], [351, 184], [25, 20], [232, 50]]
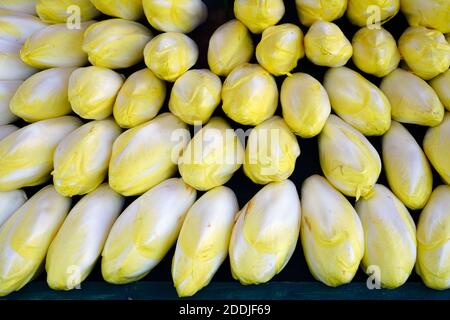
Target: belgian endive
[[81, 159], [434, 14], [145, 155], [375, 51], [229, 46], [358, 101], [17, 27], [203, 242], [347, 158], [139, 99], [331, 233], [259, 15], [412, 99], [271, 152], [10, 201], [145, 231], [175, 15], [407, 169], [433, 240], [326, 45], [305, 104], [325, 10], [280, 48], [371, 12], [61, 11], [26, 236], [436, 145], [26, 156], [125, 9], [80, 240], [115, 43], [212, 156], [389, 237], [266, 233], [170, 54], [441, 85], [425, 51], [43, 95], [195, 95], [249, 94], [55, 46], [93, 90]]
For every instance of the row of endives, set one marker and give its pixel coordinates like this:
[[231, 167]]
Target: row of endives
[[118, 42], [260, 238], [80, 156], [186, 15]]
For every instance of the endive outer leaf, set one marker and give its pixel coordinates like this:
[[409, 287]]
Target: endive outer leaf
[[115, 43], [389, 237], [358, 101], [212, 156], [81, 159], [43, 95], [407, 169], [145, 231], [195, 95], [175, 15], [140, 99], [271, 152], [55, 46], [10, 201], [266, 233], [305, 104], [412, 99], [259, 15], [146, 155], [26, 236], [7, 90], [331, 233], [433, 240], [326, 10], [436, 145], [347, 158], [25, 6], [229, 46], [249, 94], [6, 130], [80, 240], [204, 239], [11, 64], [26, 156]]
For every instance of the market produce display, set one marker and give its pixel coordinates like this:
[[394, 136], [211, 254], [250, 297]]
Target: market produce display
[[128, 136]]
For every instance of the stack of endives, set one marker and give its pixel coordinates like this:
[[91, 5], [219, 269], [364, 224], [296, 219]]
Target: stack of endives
[[71, 119]]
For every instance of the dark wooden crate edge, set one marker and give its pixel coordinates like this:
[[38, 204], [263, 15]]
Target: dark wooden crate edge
[[154, 290]]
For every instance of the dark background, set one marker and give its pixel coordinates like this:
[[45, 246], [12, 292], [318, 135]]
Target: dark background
[[221, 11]]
